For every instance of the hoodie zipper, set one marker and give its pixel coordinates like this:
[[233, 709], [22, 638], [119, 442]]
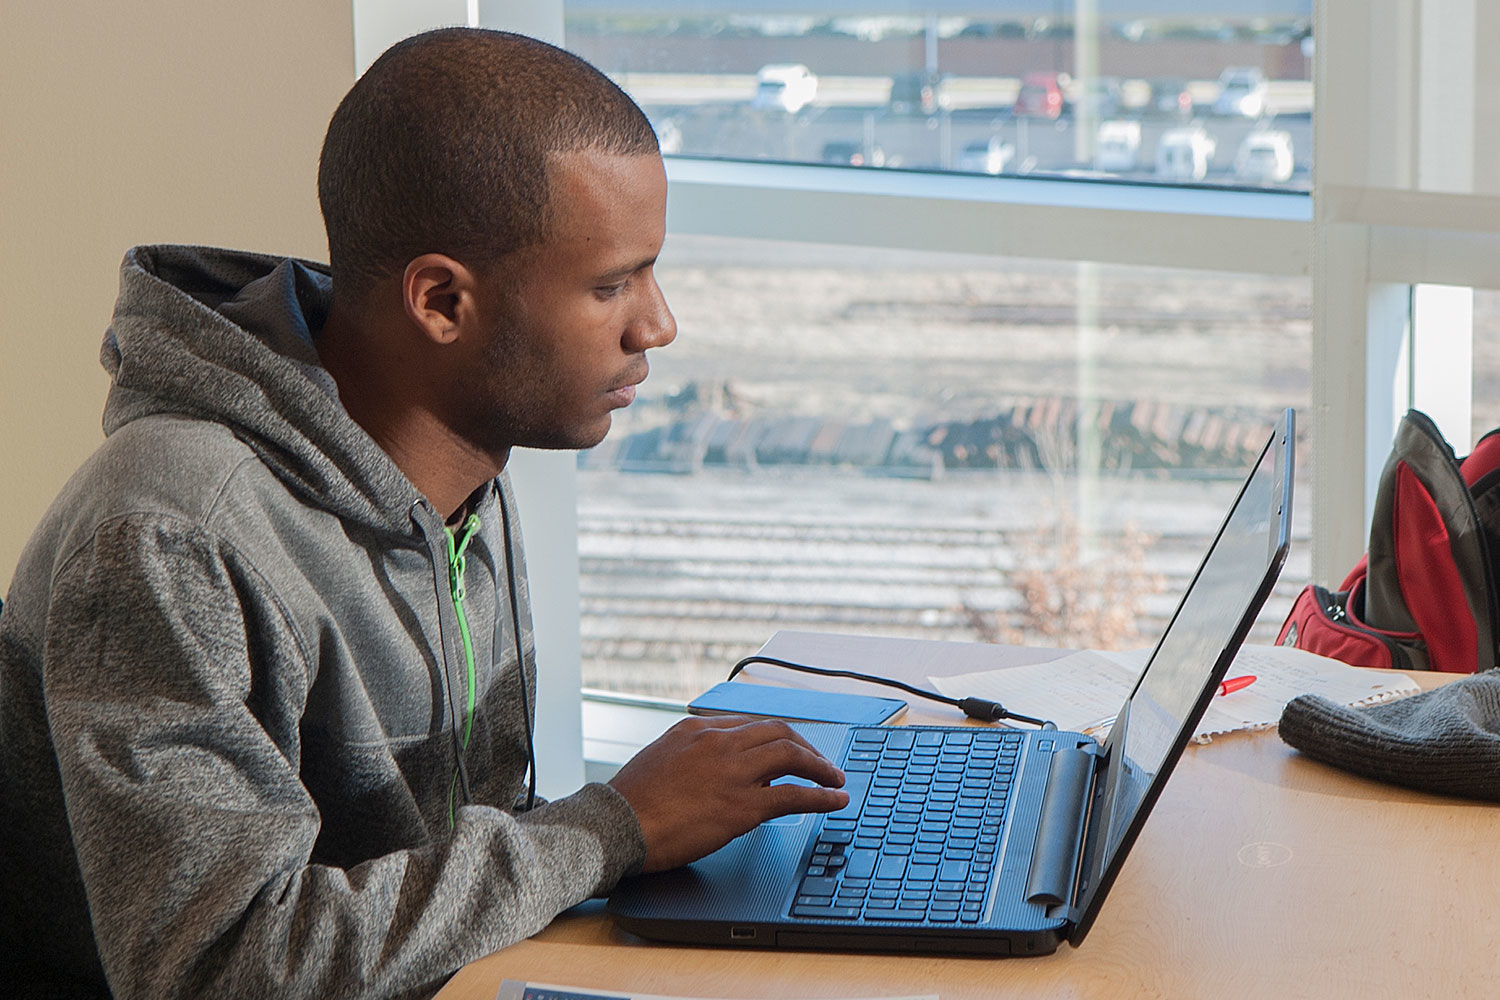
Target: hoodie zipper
[[456, 566]]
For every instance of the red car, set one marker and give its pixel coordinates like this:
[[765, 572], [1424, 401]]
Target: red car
[[1041, 96]]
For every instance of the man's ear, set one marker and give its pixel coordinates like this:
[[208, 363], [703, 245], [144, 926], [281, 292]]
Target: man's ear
[[440, 296]]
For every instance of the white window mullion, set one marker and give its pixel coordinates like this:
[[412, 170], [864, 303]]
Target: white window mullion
[[1446, 57], [1243, 232], [1388, 378], [1442, 370], [546, 485], [1401, 201], [1346, 396]]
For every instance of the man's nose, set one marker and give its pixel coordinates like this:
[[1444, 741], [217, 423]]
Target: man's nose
[[655, 326]]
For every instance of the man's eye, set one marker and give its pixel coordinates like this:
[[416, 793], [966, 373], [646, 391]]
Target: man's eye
[[610, 291]]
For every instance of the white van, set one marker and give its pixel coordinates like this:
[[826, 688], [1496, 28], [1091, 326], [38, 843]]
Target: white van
[[1117, 147], [1182, 154], [1265, 158], [788, 87]]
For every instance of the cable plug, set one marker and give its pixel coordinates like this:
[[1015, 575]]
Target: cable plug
[[983, 709]]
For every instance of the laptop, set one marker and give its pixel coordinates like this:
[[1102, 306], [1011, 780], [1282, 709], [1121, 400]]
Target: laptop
[[983, 840]]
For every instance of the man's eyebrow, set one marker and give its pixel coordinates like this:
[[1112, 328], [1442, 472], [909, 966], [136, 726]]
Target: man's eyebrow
[[627, 270]]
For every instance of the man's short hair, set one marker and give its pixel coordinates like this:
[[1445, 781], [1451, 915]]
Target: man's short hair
[[442, 146]]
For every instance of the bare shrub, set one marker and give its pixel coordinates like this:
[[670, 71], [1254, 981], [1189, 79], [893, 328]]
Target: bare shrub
[[1070, 598]]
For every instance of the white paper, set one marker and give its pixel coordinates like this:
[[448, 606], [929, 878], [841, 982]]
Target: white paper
[[1074, 691], [1083, 691]]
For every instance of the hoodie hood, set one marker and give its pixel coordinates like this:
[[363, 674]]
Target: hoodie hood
[[229, 336]]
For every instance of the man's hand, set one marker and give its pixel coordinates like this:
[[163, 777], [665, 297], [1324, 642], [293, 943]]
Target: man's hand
[[706, 781]]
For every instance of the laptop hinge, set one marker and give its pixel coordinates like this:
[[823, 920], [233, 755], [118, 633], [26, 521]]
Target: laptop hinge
[[1060, 838]]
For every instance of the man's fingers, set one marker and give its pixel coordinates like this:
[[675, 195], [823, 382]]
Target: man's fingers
[[781, 758], [769, 748], [743, 732], [770, 730], [717, 722], [709, 779], [781, 800]]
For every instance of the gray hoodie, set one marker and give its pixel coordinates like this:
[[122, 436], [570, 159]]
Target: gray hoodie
[[233, 686]]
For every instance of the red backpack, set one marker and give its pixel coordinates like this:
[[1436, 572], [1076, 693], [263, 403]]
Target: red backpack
[[1423, 597]]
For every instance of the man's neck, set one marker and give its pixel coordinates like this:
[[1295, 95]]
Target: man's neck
[[377, 395]]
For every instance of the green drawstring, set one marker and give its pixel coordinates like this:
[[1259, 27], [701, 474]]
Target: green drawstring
[[456, 549]]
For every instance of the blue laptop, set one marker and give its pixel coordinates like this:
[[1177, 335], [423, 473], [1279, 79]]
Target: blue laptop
[[981, 840]]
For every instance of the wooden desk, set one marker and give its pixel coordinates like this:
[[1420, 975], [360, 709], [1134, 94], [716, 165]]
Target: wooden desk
[[1260, 873]]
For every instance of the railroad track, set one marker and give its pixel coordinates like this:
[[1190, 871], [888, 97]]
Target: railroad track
[[668, 603]]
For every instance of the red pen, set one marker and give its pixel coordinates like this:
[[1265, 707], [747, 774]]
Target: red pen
[[1233, 684]]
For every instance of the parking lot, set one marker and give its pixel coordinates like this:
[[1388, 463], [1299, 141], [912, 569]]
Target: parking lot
[[713, 116]]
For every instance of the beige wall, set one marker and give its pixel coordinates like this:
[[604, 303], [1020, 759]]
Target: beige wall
[[189, 121]]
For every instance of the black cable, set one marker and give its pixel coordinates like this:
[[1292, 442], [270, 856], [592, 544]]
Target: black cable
[[975, 708], [515, 618]]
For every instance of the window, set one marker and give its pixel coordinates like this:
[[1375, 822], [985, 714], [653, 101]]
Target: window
[[1217, 94], [923, 444], [1405, 194]]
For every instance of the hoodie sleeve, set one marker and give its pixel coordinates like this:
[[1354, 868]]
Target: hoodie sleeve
[[173, 701]]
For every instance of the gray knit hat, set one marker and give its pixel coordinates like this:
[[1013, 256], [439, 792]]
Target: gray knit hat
[[1444, 740]]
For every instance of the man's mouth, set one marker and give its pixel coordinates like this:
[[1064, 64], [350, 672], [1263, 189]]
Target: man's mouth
[[624, 394]]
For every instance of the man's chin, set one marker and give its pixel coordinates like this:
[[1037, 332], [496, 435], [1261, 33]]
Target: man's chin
[[573, 439]]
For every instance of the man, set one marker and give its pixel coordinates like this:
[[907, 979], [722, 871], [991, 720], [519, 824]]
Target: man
[[266, 666]]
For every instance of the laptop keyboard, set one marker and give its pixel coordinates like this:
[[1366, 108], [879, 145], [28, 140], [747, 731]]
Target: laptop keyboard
[[917, 840]]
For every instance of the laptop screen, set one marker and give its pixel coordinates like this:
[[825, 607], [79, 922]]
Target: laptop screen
[[1192, 656]]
